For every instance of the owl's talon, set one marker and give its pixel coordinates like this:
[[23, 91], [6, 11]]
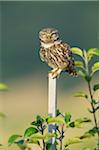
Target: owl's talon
[[55, 73], [52, 75]]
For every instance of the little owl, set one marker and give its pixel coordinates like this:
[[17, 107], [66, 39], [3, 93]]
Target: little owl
[[56, 53]]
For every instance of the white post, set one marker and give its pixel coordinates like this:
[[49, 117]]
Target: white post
[[52, 104]]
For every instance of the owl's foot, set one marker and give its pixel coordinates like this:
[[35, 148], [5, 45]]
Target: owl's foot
[[55, 73], [52, 73]]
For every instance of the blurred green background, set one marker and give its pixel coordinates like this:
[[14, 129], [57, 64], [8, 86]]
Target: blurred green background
[[22, 69]]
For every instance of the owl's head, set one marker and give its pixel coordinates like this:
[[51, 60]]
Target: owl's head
[[48, 35]]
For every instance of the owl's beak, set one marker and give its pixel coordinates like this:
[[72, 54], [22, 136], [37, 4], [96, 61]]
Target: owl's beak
[[48, 36]]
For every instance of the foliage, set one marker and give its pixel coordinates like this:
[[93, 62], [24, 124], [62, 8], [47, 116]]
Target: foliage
[[3, 87], [38, 131], [87, 70]]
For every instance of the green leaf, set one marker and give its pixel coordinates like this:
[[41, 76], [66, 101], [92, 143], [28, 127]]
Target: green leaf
[[38, 122], [77, 51], [79, 64], [93, 131], [86, 135], [40, 119], [47, 118], [73, 141], [89, 133], [56, 142], [3, 87], [34, 123], [71, 124], [97, 108], [49, 135], [95, 101], [58, 112], [34, 141], [91, 111], [46, 136], [96, 87], [91, 52], [2, 115], [67, 148], [38, 136], [30, 131], [85, 55], [81, 94], [20, 142], [86, 148], [81, 73], [13, 138], [55, 120], [86, 120], [88, 78], [67, 117], [95, 67], [22, 145], [79, 122], [48, 146]]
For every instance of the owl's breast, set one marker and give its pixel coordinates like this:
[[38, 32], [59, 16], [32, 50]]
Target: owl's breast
[[47, 56], [54, 56]]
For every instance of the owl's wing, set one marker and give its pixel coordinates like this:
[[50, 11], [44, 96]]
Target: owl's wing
[[67, 54], [41, 56], [65, 49]]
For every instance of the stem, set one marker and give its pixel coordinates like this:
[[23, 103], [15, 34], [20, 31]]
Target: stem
[[61, 143], [93, 109], [91, 95], [43, 145], [43, 139], [61, 137]]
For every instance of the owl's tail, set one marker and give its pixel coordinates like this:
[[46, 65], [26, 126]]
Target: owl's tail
[[72, 72], [71, 68]]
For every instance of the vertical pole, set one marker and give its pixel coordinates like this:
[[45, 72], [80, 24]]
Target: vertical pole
[[52, 105]]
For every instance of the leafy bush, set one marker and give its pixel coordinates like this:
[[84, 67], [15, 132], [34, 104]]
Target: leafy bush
[[87, 71], [38, 133]]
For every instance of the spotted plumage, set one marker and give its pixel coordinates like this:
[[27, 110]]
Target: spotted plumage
[[55, 53]]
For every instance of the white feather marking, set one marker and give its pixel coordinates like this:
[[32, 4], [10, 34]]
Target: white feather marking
[[48, 45]]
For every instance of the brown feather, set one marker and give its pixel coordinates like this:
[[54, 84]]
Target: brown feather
[[58, 55]]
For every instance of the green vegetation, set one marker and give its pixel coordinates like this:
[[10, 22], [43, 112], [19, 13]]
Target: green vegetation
[[3, 87], [38, 131], [87, 70]]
